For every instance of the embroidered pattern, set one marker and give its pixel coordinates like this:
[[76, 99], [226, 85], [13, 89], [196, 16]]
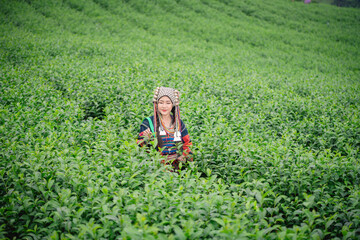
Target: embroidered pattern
[[165, 91]]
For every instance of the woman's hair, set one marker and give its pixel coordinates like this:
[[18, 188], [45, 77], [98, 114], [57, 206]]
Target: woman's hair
[[159, 139], [175, 95]]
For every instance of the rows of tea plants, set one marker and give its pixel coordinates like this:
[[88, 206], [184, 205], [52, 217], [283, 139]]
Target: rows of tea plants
[[269, 94]]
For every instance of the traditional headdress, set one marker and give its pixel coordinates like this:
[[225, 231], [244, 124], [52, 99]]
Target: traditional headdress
[[174, 96]]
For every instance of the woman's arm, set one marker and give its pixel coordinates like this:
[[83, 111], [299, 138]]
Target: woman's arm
[[185, 138], [144, 133]]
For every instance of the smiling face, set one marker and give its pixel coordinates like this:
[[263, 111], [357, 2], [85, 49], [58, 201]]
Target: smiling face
[[165, 105]]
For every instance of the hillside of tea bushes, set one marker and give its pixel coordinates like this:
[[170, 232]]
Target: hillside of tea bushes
[[270, 96]]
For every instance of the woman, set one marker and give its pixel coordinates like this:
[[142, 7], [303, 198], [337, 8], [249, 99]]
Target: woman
[[172, 136]]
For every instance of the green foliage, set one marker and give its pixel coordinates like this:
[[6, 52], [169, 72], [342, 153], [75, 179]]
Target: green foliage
[[270, 96], [347, 3]]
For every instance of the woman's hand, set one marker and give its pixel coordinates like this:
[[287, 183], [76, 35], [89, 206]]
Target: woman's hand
[[181, 158], [147, 133]]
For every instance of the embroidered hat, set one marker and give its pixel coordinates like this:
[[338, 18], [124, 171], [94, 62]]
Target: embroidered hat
[[169, 92]]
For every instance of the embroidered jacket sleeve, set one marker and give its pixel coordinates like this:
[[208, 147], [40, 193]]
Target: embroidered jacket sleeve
[[142, 139], [185, 138]]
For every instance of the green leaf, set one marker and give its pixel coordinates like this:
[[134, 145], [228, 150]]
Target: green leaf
[[179, 233]]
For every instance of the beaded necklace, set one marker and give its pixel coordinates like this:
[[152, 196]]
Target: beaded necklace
[[170, 129]]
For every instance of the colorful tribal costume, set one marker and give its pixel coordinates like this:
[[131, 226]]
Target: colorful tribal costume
[[174, 141]]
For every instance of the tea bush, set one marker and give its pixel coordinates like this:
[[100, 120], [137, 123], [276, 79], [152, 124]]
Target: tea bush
[[269, 94]]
